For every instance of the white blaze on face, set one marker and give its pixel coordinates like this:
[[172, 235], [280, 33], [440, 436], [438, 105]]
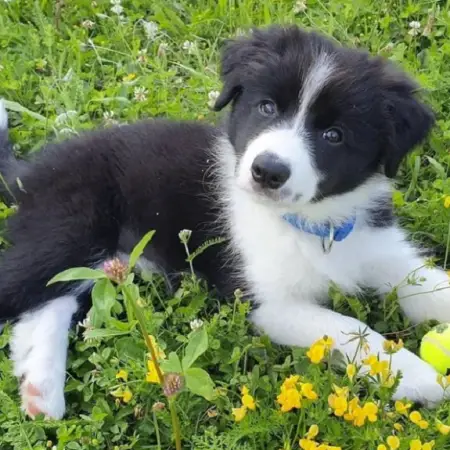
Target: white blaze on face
[[289, 141]]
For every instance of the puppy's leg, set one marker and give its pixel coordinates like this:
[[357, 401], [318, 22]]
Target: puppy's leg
[[300, 324], [46, 243], [423, 291], [39, 352]]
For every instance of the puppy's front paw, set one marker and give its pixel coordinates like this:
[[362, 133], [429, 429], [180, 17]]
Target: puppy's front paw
[[420, 385]]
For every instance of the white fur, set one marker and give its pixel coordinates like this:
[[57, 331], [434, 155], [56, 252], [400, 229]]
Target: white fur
[[290, 142], [3, 116], [289, 274], [39, 352], [291, 147]]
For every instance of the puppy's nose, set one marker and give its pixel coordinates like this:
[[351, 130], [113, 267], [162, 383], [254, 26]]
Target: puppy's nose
[[269, 171]]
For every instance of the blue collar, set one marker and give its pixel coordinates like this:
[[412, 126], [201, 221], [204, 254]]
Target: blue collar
[[324, 230]]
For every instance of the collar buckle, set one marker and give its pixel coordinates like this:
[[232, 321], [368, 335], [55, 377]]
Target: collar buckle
[[327, 246]]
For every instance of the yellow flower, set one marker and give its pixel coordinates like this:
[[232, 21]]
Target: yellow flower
[[447, 201], [152, 374], [354, 410], [247, 400], [423, 424], [393, 442], [239, 413], [416, 444], [338, 403], [319, 349], [377, 367], [316, 353], [371, 410], [308, 444], [398, 426], [392, 347], [359, 418], [122, 374], [415, 417], [290, 382], [381, 447], [371, 359], [127, 396], [342, 391], [312, 432], [289, 399], [351, 371], [307, 390], [443, 429], [402, 408], [129, 77], [327, 342]]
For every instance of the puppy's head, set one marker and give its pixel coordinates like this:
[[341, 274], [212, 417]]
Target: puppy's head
[[310, 119]]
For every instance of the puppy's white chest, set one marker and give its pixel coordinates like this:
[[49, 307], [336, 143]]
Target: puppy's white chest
[[280, 260]]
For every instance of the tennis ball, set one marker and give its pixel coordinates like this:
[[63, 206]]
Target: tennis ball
[[435, 348]]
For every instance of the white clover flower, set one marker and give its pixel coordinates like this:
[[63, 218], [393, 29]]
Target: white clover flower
[[299, 7], [67, 131], [196, 324], [151, 29], [185, 235], [64, 117], [212, 97], [86, 323], [140, 94], [142, 56], [88, 24], [108, 118], [414, 28], [189, 46], [117, 9]]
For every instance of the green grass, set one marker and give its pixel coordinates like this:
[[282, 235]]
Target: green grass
[[62, 74]]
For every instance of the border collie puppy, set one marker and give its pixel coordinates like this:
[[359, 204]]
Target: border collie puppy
[[299, 180]]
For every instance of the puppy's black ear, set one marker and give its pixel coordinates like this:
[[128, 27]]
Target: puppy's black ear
[[241, 58], [232, 70], [411, 120]]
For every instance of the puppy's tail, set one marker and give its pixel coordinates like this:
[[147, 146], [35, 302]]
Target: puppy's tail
[[8, 163]]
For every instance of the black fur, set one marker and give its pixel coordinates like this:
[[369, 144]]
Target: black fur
[[373, 105], [86, 199]]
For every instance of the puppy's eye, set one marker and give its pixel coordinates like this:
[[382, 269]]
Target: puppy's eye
[[333, 135], [267, 108]]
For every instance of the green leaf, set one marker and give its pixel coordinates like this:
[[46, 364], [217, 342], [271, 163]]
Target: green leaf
[[17, 107], [438, 167], [97, 414], [100, 333], [139, 249], [103, 299], [198, 344], [199, 382], [172, 363], [77, 273]]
